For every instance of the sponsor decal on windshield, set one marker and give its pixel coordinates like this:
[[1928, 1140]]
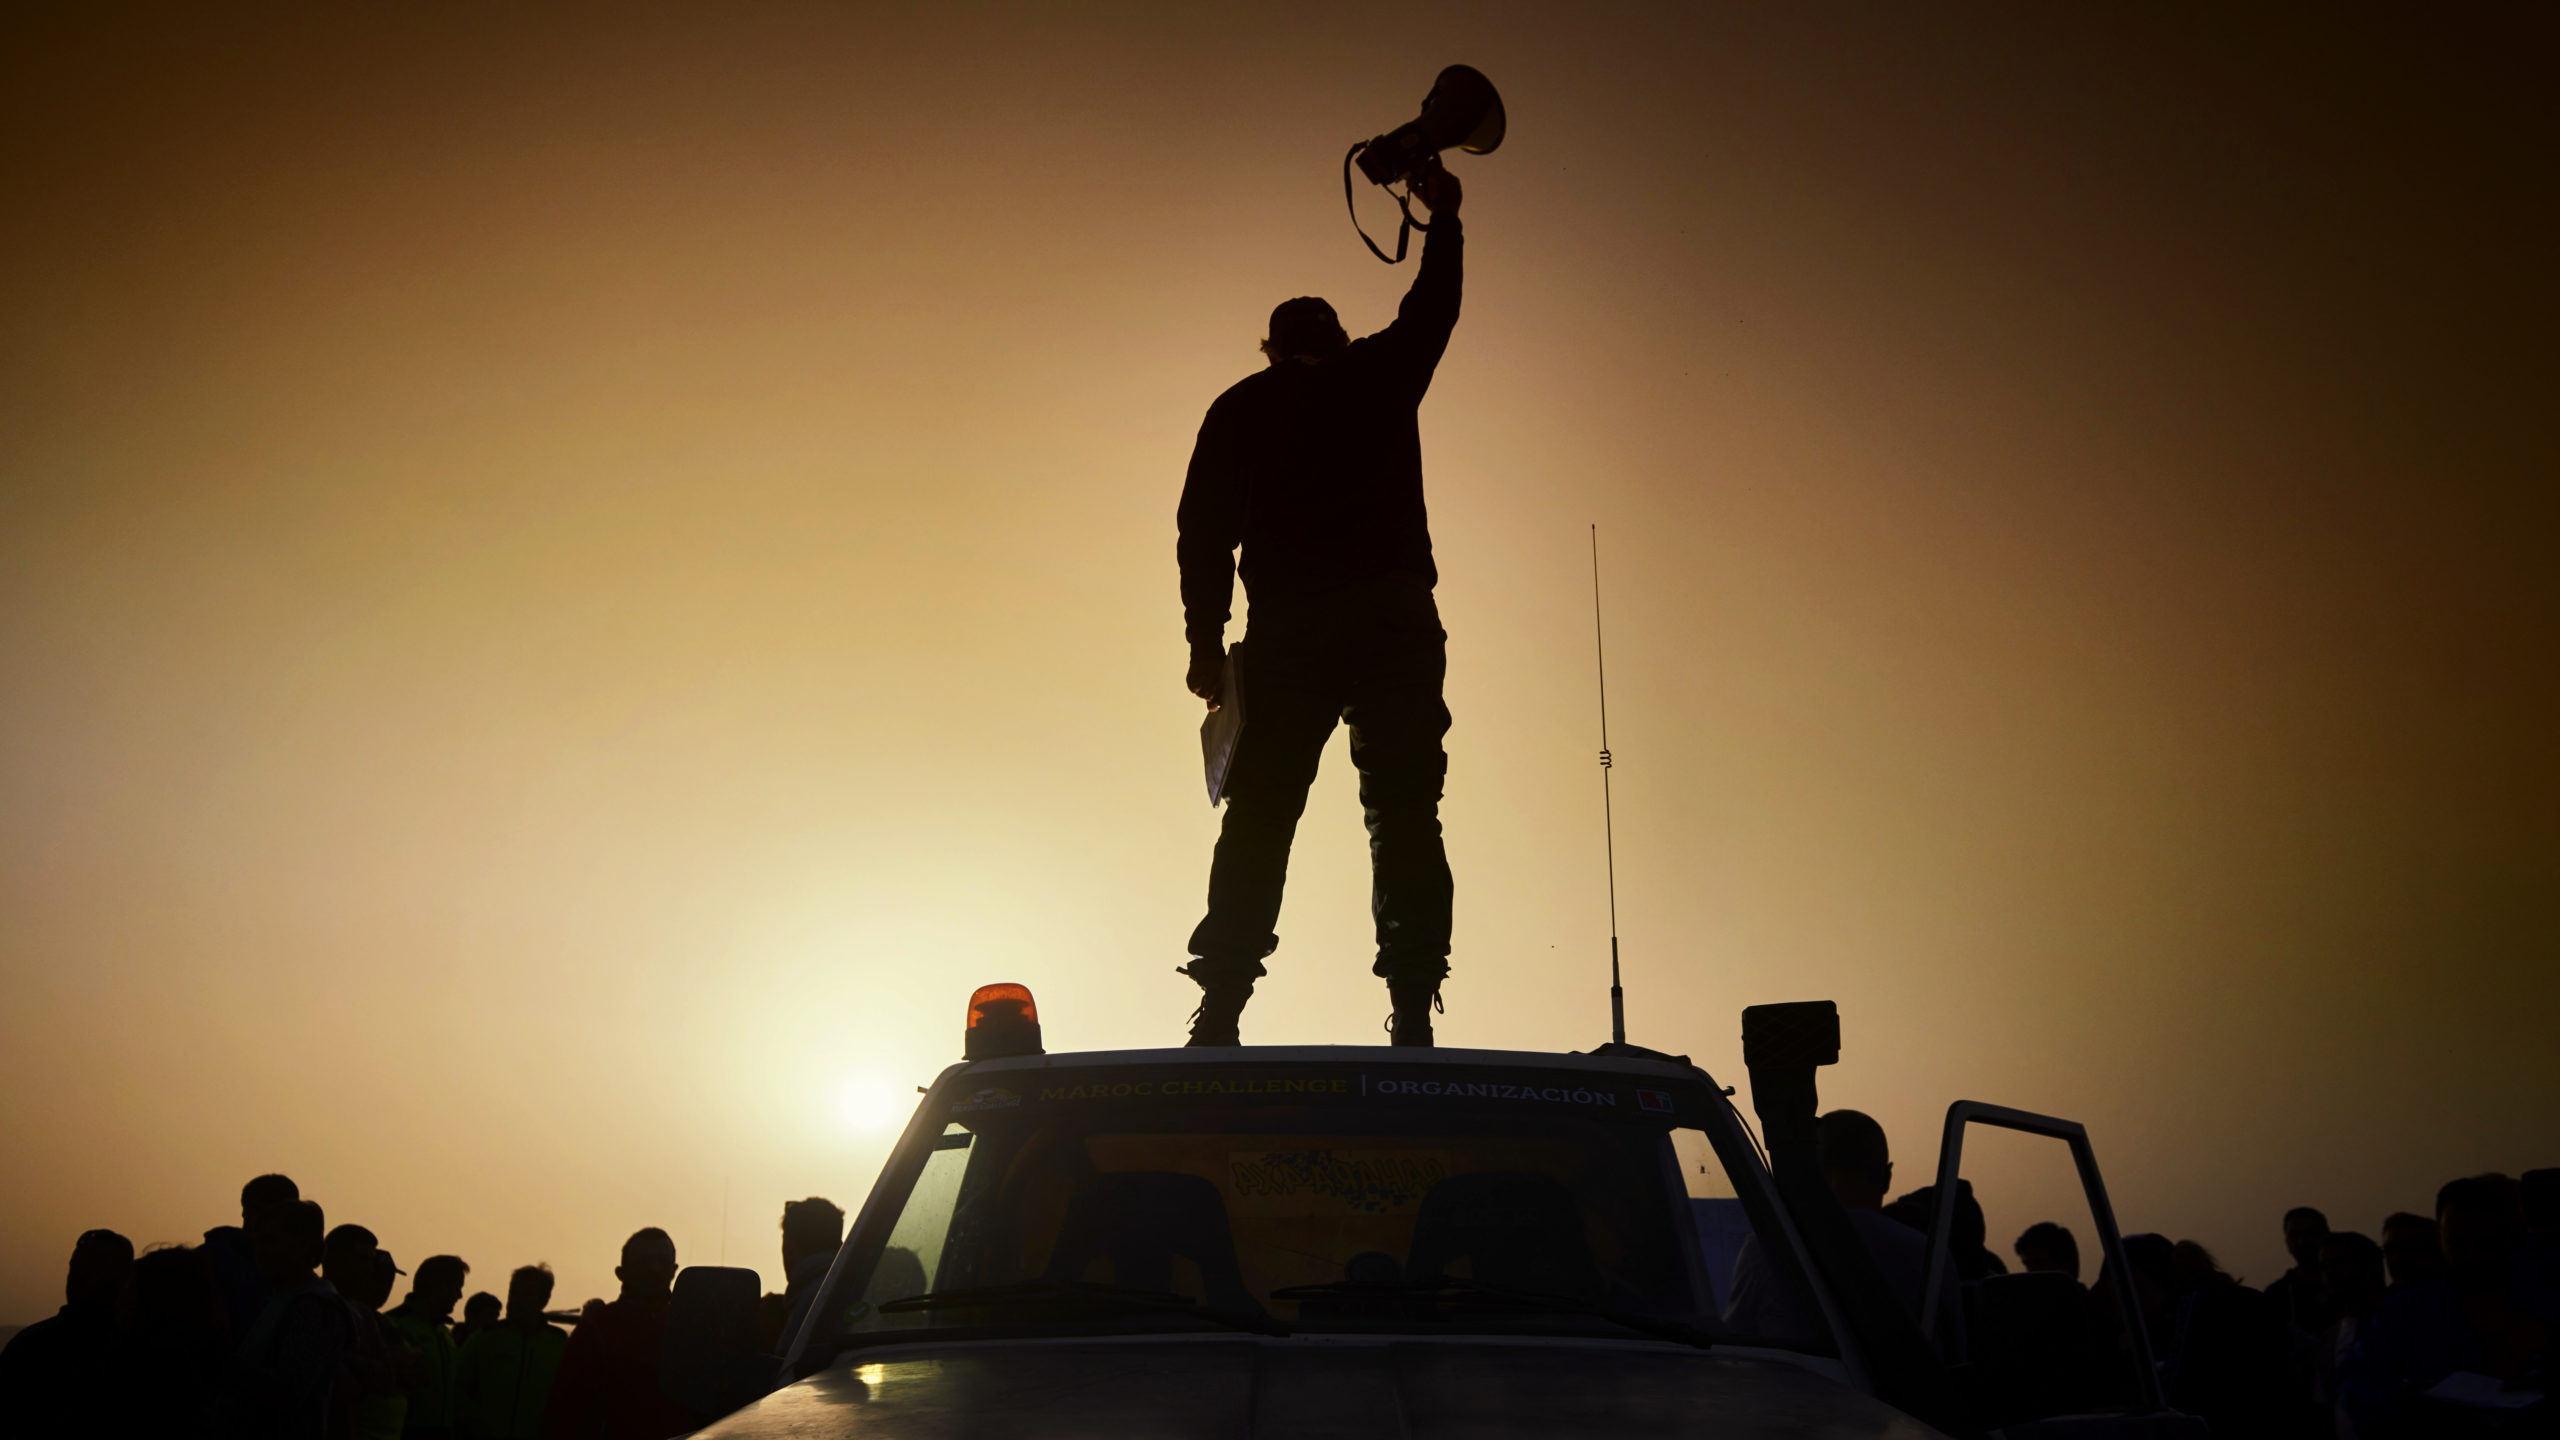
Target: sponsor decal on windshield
[[1332, 1182], [1492, 1090], [1655, 1100], [993, 1097], [1184, 1085]]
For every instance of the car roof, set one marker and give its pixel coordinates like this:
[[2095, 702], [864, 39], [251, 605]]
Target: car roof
[[1663, 1067]]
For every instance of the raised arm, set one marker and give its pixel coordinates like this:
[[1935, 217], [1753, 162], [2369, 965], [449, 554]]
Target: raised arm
[[1420, 334]]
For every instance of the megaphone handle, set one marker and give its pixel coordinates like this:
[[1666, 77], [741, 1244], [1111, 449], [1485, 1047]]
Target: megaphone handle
[[1404, 235]]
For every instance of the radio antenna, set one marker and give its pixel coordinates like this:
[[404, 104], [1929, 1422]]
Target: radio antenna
[[1608, 821]]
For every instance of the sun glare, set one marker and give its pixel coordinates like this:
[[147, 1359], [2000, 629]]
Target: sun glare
[[869, 1105]]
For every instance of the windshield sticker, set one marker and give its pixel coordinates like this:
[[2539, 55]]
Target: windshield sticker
[[1655, 1100], [1333, 1182], [1490, 1090], [1206, 1085], [993, 1097]]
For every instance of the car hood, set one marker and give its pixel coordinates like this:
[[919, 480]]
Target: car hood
[[1288, 1389]]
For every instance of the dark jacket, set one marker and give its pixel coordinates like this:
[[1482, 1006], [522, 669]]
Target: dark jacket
[[55, 1374], [1316, 469], [608, 1383]]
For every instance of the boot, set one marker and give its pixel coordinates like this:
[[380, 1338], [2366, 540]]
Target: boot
[[1223, 993], [1414, 1001]]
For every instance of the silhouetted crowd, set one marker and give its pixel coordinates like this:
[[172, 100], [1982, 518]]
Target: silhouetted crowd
[[276, 1329], [2442, 1328]]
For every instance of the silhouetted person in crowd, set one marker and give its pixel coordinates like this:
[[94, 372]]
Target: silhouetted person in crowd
[[481, 1309], [502, 1379], [423, 1323], [2410, 1251], [1967, 1230], [2048, 1247], [284, 1379], [812, 1230], [1313, 466], [176, 1347], [2300, 1293], [2221, 1346], [608, 1385], [2351, 1272], [1859, 1165], [228, 1251], [349, 1261], [55, 1372], [384, 1414], [2486, 1318]]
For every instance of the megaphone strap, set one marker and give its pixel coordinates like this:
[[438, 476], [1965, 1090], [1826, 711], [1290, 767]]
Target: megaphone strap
[[1404, 203]]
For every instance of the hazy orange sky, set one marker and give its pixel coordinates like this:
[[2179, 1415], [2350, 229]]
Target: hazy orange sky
[[572, 579]]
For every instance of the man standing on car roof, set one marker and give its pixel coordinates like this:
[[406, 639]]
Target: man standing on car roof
[[1313, 466]]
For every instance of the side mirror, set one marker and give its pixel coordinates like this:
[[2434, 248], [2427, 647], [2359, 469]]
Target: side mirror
[[709, 1361]]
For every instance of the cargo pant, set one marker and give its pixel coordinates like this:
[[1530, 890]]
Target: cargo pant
[[1370, 654]]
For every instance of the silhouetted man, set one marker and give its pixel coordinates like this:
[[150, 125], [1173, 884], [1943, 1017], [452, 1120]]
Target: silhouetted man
[[608, 1385], [228, 1251], [2410, 1251], [2351, 1273], [55, 1373], [422, 1322], [2484, 1317], [2302, 1293], [1314, 468], [2047, 1246], [502, 1381], [284, 1380], [369, 1388], [478, 1312], [1968, 1230], [1859, 1166], [812, 1231]]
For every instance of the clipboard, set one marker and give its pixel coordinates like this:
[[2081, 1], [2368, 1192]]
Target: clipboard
[[1224, 726]]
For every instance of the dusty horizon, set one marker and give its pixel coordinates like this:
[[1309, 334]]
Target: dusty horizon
[[571, 583]]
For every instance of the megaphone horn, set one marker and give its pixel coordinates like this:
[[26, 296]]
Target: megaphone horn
[[1462, 112]]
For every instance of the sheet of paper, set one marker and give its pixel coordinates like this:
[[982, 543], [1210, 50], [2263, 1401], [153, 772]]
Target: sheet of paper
[[1223, 726], [2482, 1392]]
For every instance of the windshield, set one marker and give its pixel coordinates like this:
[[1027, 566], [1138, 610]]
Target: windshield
[[1295, 1198]]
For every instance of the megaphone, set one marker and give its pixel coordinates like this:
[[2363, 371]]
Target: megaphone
[[1462, 112]]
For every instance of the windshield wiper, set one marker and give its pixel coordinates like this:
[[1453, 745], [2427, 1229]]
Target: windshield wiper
[[1452, 1286], [1079, 1292]]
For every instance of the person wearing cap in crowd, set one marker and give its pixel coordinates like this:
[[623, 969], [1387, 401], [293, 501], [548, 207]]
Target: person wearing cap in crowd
[[350, 1261], [384, 1414], [423, 1323], [54, 1373]]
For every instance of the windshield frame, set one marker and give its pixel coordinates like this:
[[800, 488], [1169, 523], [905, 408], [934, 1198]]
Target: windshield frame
[[989, 1084]]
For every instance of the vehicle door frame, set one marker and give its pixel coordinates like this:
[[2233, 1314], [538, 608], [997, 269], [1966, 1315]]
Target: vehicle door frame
[[2147, 1396]]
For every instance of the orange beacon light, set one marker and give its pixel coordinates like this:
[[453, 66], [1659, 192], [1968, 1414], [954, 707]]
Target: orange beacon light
[[1003, 1020]]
